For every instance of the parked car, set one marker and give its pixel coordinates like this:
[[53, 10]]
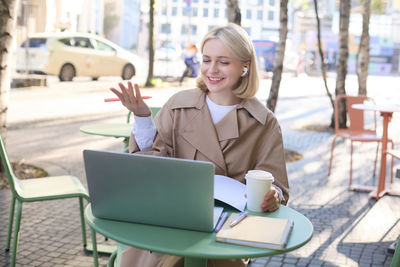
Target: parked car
[[67, 55]]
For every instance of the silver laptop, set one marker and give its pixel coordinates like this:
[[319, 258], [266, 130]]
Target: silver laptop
[[151, 190]]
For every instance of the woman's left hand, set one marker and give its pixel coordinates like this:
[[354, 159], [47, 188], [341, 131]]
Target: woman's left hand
[[271, 200]]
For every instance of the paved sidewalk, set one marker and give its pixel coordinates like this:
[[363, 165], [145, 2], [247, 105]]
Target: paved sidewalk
[[350, 229]]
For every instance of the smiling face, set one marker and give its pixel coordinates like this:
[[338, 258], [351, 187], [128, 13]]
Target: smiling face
[[220, 69]]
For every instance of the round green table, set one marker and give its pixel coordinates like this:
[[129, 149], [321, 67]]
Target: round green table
[[195, 246], [110, 129]]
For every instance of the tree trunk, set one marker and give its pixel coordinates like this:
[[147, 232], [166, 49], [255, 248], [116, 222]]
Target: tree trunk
[[279, 56], [149, 81], [233, 11], [362, 60], [341, 70], [321, 53], [8, 21]]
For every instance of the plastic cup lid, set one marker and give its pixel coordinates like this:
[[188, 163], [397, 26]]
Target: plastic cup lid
[[259, 175]]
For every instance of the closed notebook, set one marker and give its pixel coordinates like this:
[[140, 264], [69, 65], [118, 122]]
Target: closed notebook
[[257, 231]]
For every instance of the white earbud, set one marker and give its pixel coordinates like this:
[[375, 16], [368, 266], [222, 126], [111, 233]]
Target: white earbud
[[245, 70]]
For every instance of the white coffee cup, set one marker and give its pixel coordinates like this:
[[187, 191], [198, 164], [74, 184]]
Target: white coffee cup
[[258, 183]]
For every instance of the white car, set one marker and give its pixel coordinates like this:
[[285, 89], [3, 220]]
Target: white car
[[67, 55]]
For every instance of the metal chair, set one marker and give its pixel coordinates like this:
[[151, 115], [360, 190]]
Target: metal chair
[[396, 256], [394, 154], [356, 131], [38, 189]]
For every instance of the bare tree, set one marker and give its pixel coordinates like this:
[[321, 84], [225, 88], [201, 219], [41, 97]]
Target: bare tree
[[280, 54], [321, 53], [8, 20], [233, 11], [362, 59], [341, 70], [149, 80]]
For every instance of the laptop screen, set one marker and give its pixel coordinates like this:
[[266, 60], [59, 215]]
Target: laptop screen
[[150, 189]]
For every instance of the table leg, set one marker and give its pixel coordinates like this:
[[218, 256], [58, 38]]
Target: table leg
[[195, 262], [380, 191]]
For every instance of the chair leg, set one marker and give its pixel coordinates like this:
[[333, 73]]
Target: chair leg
[[16, 234], [331, 158], [351, 164], [82, 221], [10, 222], [391, 167], [376, 158], [94, 244], [111, 260]]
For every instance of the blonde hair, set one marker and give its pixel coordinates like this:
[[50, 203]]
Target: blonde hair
[[236, 39]]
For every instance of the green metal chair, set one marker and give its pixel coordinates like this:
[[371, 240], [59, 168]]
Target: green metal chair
[[39, 189], [396, 255]]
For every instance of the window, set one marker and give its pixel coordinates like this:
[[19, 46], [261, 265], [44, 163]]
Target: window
[[66, 41], [82, 42], [216, 12], [38, 42], [260, 2], [166, 28], [103, 46], [184, 29], [248, 30], [248, 14], [259, 14], [164, 11], [174, 11], [185, 11], [271, 2], [194, 29], [194, 11], [205, 12], [210, 27], [270, 15]]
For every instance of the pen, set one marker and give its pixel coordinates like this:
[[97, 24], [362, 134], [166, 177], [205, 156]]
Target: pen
[[117, 99], [221, 221], [239, 218]]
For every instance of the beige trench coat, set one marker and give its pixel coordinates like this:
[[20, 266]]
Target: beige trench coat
[[248, 137]]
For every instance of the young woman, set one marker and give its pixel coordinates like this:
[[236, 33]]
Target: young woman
[[220, 121]]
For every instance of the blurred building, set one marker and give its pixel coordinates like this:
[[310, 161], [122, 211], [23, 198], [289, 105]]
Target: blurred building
[[183, 22]]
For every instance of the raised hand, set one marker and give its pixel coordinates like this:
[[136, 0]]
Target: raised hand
[[132, 100]]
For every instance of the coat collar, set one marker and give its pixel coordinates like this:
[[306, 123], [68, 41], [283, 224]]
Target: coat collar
[[195, 98]]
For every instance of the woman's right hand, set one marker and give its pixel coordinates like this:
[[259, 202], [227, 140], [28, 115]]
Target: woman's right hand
[[132, 100]]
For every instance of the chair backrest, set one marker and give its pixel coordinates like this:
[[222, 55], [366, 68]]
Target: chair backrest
[[154, 111], [13, 181], [355, 116]]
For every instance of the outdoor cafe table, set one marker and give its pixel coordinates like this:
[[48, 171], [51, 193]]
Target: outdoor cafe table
[[195, 246], [386, 112], [109, 129]]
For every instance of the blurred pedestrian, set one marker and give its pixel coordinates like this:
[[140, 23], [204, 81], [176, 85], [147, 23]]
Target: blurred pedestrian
[[191, 61]]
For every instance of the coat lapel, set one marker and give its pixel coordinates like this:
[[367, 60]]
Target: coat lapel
[[200, 132]]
